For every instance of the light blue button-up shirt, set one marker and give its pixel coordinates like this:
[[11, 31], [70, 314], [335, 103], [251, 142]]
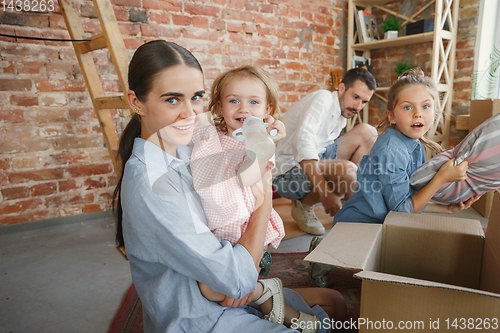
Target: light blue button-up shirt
[[170, 247], [384, 179]]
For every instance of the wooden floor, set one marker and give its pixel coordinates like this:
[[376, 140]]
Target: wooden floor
[[284, 208]]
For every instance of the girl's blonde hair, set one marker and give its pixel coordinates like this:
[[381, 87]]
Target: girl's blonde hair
[[248, 71], [411, 77]]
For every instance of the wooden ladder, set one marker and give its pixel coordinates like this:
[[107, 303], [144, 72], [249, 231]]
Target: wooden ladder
[[110, 38]]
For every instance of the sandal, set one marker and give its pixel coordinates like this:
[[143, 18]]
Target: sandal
[[306, 321], [273, 288]]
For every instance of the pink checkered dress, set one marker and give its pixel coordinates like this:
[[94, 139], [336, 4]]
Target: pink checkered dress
[[228, 206]]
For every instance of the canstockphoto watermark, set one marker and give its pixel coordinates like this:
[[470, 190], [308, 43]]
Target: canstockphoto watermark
[[356, 324]]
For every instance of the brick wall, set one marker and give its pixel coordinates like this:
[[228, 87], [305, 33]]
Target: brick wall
[[52, 157], [53, 161]]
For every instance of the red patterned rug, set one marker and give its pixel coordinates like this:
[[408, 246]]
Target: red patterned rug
[[289, 267]]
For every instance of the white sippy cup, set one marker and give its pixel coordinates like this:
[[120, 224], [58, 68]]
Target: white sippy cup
[[257, 141]]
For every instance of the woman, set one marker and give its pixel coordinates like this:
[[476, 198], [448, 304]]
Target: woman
[[160, 219]]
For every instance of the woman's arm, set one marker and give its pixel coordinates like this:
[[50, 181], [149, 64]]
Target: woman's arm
[[255, 234]]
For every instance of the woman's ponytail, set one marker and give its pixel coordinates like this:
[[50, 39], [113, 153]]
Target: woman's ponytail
[[132, 131]]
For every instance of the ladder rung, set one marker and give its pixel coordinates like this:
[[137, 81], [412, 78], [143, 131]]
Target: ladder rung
[[113, 102], [93, 43]]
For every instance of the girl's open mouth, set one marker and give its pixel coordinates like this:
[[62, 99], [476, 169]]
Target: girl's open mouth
[[241, 120], [417, 125]]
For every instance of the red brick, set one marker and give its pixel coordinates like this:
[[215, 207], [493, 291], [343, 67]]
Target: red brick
[[196, 9], [238, 4], [200, 22], [24, 20], [29, 67], [24, 100], [200, 34], [43, 115], [15, 84], [267, 63], [12, 193], [92, 183], [10, 207], [237, 15], [43, 189], [251, 6], [89, 170], [76, 141], [128, 3], [127, 28], [218, 24], [4, 164], [181, 20], [26, 161], [167, 5], [160, 31], [7, 67], [162, 18], [91, 208], [36, 175], [13, 115], [267, 8], [234, 26], [68, 185], [14, 219], [465, 64], [462, 85], [59, 85], [132, 43]]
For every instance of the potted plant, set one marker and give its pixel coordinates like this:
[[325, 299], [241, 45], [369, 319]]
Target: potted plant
[[391, 27], [402, 67]]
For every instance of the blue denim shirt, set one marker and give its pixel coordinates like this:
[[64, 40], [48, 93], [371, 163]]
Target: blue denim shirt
[[384, 179], [170, 247]]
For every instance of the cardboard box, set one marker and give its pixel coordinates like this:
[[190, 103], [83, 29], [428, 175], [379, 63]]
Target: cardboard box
[[480, 111], [420, 270]]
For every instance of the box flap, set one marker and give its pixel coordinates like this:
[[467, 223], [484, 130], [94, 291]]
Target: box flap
[[434, 248], [390, 278], [350, 245], [490, 274]]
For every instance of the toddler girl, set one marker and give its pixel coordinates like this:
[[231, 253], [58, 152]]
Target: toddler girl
[[227, 180], [383, 175]]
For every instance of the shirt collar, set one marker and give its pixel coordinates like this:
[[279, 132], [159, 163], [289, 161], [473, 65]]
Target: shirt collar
[[409, 143], [158, 162]]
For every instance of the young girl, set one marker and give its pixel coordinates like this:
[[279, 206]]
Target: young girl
[[227, 179], [383, 175]]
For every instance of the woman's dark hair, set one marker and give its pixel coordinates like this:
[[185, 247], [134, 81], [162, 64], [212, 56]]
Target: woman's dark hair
[[149, 60]]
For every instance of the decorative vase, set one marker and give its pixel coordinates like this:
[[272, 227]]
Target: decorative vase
[[390, 34]]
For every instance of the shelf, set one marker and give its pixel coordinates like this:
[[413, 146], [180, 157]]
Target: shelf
[[400, 41], [382, 89], [370, 2]]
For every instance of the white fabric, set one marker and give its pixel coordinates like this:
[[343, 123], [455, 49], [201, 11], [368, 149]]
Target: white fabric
[[312, 124]]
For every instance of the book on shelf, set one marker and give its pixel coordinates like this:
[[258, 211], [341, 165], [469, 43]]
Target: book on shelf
[[366, 24]]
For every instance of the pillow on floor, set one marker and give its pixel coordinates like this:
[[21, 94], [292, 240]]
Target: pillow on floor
[[481, 148]]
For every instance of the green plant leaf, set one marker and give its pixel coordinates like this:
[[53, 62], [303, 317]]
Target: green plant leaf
[[484, 82]]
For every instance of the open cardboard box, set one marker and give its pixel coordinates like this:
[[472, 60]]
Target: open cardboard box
[[424, 271]]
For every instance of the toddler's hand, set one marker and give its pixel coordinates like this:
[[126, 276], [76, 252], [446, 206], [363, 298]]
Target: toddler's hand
[[276, 124], [449, 172]]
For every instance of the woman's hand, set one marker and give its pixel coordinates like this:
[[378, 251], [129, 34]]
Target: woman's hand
[[278, 125], [233, 302], [449, 172], [457, 207]]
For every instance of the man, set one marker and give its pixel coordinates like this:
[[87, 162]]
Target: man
[[311, 165]]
